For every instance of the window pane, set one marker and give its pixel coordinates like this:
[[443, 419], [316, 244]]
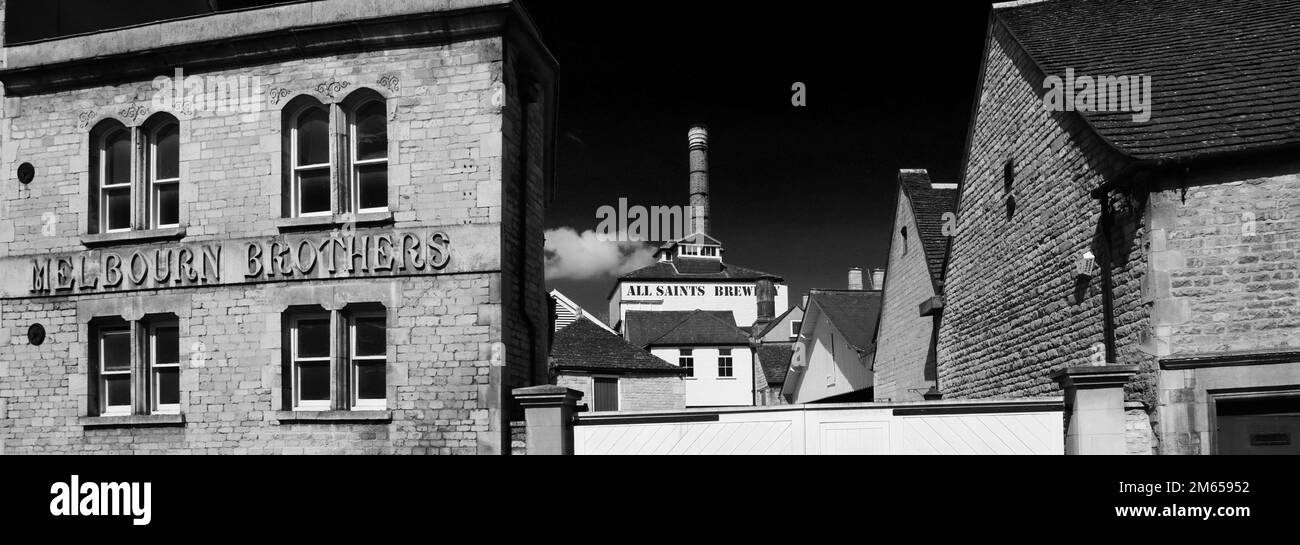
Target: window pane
[[116, 351], [314, 191], [314, 381], [372, 132], [372, 186], [313, 137], [118, 390], [169, 206], [167, 343], [119, 208], [169, 386], [314, 338], [371, 337], [167, 150], [117, 158], [370, 380]]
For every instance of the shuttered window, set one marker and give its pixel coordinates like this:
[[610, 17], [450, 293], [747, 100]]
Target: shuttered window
[[606, 394]]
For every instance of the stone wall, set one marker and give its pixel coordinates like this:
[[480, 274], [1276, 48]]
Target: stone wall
[[451, 147], [903, 341], [1014, 311], [637, 392]]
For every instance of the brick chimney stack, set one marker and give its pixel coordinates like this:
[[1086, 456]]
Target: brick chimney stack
[[855, 279], [877, 279], [698, 137]]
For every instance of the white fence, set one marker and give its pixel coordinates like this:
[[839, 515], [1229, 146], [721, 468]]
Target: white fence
[[1032, 426]]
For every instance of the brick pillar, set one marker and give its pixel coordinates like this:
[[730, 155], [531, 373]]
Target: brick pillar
[[1094, 397], [548, 411]]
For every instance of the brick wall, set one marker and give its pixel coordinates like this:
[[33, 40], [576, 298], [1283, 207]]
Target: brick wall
[[903, 341], [1011, 315], [1137, 429], [1225, 261], [636, 392], [446, 159], [526, 302]]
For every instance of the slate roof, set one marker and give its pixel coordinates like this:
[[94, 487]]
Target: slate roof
[[683, 328], [928, 207], [585, 346], [690, 268], [1225, 74], [854, 313], [768, 328], [774, 358]]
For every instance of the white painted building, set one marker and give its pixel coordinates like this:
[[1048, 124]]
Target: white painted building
[[716, 354], [834, 353]]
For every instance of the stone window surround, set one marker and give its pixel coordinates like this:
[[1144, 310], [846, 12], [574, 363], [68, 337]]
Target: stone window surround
[[133, 307], [141, 230], [342, 392], [397, 175], [85, 386], [339, 109]]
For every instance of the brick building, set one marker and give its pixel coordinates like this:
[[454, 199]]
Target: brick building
[[1190, 215], [834, 352], [906, 365], [330, 241], [612, 374]]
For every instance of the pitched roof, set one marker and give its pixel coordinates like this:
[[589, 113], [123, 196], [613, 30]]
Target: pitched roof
[[1224, 75], [774, 358], [585, 346], [691, 268], [854, 313], [928, 207], [683, 328]]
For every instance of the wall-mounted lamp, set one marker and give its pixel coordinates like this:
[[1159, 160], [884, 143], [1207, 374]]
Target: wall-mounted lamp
[[1087, 265]]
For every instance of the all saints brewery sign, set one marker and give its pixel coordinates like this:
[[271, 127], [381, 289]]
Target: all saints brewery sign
[[279, 258]]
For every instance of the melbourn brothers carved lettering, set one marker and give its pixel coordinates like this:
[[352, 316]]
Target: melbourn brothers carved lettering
[[359, 254], [264, 260], [156, 268]]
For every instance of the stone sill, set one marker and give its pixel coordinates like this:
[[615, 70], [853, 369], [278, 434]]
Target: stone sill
[[310, 223], [132, 237], [132, 421], [328, 417]]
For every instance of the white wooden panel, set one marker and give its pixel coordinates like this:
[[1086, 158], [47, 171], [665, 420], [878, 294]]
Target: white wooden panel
[[843, 429]]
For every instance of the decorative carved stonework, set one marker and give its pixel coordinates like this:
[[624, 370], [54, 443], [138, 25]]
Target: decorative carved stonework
[[134, 112], [84, 118], [332, 87], [391, 82], [276, 94]]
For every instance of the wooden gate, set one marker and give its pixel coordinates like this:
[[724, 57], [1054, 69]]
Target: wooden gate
[[1031, 426]]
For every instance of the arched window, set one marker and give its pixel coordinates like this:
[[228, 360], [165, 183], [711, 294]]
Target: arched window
[[163, 170], [111, 177], [352, 137], [311, 161], [368, 152], [135, 175]]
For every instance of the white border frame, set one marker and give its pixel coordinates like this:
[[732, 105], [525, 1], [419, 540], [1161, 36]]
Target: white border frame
[[356, 403], [311, 404]]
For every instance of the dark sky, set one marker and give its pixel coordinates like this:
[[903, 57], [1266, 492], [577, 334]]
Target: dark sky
[[805, 193]]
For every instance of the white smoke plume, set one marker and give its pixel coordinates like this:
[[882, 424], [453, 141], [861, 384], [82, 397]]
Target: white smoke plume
[[571, 256]]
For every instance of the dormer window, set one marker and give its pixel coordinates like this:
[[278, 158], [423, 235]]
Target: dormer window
[[697, 250]]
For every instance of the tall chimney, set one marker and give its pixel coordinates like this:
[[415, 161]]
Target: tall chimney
[[698, 137], [766, 291], [877, 279], [855, 279]]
